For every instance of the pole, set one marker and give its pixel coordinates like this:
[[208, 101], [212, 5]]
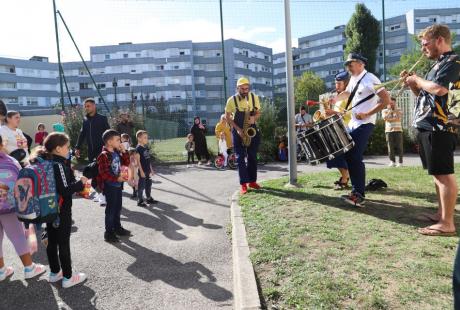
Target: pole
[[290, 96], [58, 55], [383, 38], [66, 87], [223, 51]]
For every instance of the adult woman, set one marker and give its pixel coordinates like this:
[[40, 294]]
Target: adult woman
[[198, 131]]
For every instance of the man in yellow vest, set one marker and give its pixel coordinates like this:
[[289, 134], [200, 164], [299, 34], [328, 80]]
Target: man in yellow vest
[[235, 111]]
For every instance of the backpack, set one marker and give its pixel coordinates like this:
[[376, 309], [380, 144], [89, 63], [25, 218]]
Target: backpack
[[375, 185], [8, 174], [36, 198]]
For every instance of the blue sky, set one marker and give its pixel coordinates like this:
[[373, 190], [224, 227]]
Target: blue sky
[[27, 28]]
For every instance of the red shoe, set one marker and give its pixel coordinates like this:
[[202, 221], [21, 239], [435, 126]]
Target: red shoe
[[244, 189], [254, 185]]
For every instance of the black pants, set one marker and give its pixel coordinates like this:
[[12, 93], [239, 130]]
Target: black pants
[[144, 184], [395, 145], [113, 196], [58, 249], [191, 155]]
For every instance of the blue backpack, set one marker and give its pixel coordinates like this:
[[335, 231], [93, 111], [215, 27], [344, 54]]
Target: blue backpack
[[35, 193], [8, 174]]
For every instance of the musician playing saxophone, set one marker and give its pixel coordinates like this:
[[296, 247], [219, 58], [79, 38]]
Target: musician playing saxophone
[[242, 112]]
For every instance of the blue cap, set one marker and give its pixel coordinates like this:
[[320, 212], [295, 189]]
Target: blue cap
[[355, 57], [342, 76]]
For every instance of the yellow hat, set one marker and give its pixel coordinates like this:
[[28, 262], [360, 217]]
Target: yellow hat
[[242, 81]]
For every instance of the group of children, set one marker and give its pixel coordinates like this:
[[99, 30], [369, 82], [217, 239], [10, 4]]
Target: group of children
[[118, 163]]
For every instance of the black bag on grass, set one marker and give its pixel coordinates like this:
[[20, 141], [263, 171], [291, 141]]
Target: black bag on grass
[[375, 185]]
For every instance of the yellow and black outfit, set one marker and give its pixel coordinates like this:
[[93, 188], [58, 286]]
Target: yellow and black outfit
[[437, 142], [238, 105]]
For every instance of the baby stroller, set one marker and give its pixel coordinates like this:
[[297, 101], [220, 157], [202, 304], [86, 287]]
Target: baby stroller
[[231, 161]]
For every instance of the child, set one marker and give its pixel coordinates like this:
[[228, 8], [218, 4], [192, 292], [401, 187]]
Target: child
[[10, 224], [126, 141], [56, 148], [41, 134], [110, 181], [145, 169], [133, 171], [190, 147], [223, 148]]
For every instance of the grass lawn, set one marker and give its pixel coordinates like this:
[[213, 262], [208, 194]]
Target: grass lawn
[[173, 149], [310, 251]]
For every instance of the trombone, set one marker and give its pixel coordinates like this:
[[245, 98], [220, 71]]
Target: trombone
[[399, 82]]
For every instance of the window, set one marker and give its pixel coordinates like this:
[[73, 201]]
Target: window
[[432, 19], [84, 86], [75, 100], [176, 67], [32, 100], [107, 56], [218, 54], [160, 67], [138, 55], [182, 53], [417, 20], [101, 86], [125, 55], [99, 100], [133, 70], [127, 84]]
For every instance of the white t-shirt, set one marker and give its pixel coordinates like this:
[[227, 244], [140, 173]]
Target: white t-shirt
[[365, 88], [13, 139]]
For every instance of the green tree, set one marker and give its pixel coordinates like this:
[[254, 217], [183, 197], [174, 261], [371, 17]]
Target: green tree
[[363, 35], [308, 87]]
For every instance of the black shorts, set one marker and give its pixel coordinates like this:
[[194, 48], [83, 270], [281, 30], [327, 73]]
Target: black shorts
[[436, 150]]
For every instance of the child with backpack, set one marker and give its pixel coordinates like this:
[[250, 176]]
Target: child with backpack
[[56, 149], [145, 169], [110, 181], [9, 223]]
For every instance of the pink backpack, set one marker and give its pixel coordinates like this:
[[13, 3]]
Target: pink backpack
[[9, 170]]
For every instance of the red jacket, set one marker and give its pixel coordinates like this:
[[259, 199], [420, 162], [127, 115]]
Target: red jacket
[[104, 162]]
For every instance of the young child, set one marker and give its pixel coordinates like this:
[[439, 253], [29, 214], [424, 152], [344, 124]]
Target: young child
[[9, 223], [110, 181], [41, 134], [223, 148], [190, 147], [145, 169], [126, 141], [56, 148], [133, 171]]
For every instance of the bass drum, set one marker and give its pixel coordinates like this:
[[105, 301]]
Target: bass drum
[[326, 140]]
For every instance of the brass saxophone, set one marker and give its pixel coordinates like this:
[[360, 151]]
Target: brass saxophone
[[248, 131], [320, 114]]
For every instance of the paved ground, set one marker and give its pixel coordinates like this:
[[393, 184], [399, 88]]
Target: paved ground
[[178, 258]]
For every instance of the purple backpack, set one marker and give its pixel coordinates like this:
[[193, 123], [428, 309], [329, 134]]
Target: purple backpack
[[9, 171]]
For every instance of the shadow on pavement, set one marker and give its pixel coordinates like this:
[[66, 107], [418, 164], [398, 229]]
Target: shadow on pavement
[[152, 266], [38, 294], [163, 219]]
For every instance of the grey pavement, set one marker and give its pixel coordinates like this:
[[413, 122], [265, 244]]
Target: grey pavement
[[179, 257]]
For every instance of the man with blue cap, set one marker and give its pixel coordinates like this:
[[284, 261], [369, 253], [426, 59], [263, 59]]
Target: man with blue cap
[[235, 112], [365, 102], [338, 104]]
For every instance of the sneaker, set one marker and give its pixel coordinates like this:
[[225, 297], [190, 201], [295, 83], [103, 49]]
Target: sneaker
[[76, 278], [96, 197], [152, 201], [122, 232], [110, 237], [33, 271], [355, 199], [55, 277], [6, 272], [254, 185], [244, 189], [392, 164], [102, 201], [199, 163], [399, 165], [141, 203]]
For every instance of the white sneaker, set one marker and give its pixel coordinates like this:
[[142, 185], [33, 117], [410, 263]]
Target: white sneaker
[[76, 278], [55, 277], [96, 197], [35, 270], [6, 272], [399, 165], [392, 164], [188, 166], [199, 163], [102, 200]]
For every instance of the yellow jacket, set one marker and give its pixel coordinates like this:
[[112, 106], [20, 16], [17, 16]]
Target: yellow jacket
[[225, 128]]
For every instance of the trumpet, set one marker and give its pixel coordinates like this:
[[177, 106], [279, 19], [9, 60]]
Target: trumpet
[[399, 82]]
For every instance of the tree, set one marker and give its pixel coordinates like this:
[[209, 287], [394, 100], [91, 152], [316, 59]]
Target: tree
[[363, 35], [308, 87]]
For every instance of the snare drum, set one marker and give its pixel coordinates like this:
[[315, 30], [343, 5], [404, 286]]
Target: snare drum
[[326, 140]]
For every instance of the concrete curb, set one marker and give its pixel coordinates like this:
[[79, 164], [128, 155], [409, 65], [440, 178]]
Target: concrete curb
[[245, 293]]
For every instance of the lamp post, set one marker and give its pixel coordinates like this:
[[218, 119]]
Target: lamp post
[[115, 84]]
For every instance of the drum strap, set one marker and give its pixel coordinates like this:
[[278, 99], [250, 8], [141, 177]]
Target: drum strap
[[353, 92]]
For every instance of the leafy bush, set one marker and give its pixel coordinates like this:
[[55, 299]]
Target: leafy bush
[[378, 144], [73, 120], [267, 125], [137, 119]]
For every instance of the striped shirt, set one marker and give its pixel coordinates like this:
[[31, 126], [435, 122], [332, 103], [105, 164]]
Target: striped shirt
[[393, 125]]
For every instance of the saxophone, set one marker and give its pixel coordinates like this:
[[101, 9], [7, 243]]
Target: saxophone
[[320, 114], [248, 131]]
